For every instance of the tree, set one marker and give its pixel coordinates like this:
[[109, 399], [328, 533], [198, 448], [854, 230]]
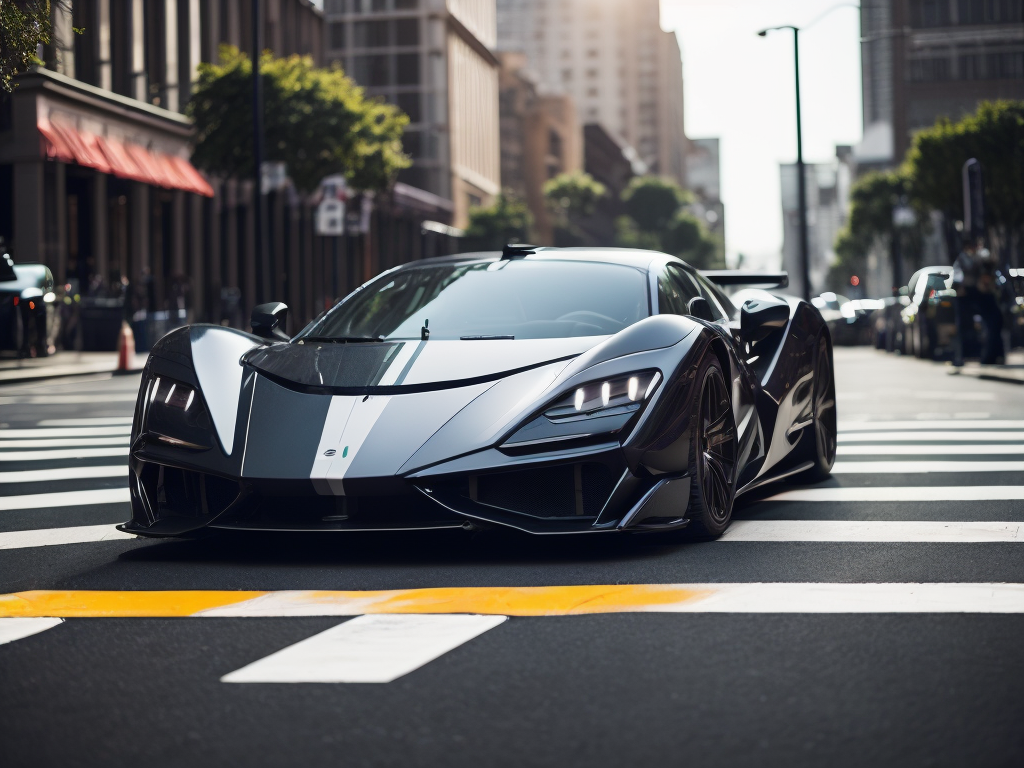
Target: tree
[[24, 26], [572, 198], [994, 135], [656, 219], [506, 220], [316, 121]]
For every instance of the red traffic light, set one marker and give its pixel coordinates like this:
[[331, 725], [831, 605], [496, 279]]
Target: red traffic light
[[854, 281]]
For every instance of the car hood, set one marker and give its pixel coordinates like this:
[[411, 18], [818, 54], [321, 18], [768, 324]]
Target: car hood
[[407, 366]]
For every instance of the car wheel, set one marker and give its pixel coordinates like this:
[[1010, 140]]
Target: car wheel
[[713, 487], [823, 408]]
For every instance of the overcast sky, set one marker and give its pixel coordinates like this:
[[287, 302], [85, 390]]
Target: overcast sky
[[739, 87]]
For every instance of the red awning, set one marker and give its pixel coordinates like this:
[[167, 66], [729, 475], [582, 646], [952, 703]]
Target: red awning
[[125, 160]]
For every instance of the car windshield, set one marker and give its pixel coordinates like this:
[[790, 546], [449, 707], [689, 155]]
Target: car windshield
[[519, 299]]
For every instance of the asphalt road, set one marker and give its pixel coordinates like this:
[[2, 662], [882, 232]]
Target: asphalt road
[[822, 667]]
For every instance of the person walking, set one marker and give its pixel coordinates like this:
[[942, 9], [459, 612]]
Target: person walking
[[974, 280]]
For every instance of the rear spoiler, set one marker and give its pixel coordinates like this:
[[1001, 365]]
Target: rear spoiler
[[742, 277]]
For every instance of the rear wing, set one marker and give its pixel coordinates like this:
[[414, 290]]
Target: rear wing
[[743, 277]]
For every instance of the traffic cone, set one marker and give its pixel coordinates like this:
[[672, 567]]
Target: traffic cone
[[125, 349]]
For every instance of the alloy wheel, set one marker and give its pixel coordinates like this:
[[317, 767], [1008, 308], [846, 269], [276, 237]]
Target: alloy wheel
[[717, 447]]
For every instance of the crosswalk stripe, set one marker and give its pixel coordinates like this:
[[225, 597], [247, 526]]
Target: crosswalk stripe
[[872, 531], [930, 450], [874, 426], [98, 421], [46, 537], [923, 467], [366, 649], [65, 499], [16, 629], [64, 453], [127, 397], [87, 442], [795, 597], [932, 437], [64, 473], [905, 493], [54, 432]]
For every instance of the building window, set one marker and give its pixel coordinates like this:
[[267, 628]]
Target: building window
[[336, 6], [475, 201], [591, 73], [567, 75], [336, 31], [929, 13], [410, 104], [408, 68], [592, 93], [406, 5], [370, 34], [372, 70], [412, 144], [407, 32], [930, 70], [990, 12]]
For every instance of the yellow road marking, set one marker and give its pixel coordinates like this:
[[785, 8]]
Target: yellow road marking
[[506, 601]]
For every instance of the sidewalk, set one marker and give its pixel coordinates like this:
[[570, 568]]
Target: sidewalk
[[13, 370], [1012, 372]]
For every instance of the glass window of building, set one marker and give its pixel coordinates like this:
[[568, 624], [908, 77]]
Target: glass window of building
[[407, 32], [410, 104], [372, 70], [408, 68], [336, 35], [370, 34]]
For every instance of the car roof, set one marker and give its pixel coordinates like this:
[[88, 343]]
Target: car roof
[[630, 257]]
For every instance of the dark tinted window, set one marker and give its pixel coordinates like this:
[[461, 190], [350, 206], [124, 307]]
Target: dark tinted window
[[675, 289], [525, 299], [408, 68], [407, 32]]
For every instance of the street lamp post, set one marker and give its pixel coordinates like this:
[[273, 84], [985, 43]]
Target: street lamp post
[[257, 151], [801, 176]]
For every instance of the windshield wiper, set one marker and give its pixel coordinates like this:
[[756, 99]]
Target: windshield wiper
[[343, 339], [484, 338]]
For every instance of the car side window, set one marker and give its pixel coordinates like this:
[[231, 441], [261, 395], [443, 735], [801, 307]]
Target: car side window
[[720, 304], [674, 293], [690, 286]]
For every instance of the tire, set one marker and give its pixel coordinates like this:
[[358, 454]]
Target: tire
[[713, 454], [823, 428]]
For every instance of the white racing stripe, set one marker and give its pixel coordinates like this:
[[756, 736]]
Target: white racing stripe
[[905, 493], [930, 450], [12, 629], [48, 537], [872, 531], [64, 453], [65, 499], [85, 442], [7, 434], [89, 422], [923, 467], [64, 473], [930, 437], [367, 649], [873, 426]]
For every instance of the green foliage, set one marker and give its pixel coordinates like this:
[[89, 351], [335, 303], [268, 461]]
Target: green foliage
[[572, 198], [652, 202], [506, 220], [995, 136], [24, 26], [317, 121], [657, 220]]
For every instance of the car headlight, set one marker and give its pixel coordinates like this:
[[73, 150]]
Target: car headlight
[[597, 409], [175, 415]]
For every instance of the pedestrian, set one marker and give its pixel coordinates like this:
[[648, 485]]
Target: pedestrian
[[975, 285]]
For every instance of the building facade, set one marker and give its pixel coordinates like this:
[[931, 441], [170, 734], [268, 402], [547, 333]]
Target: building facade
[[704, 176], [926, 59], [540, 139], [828, 195], [435, 59], [612, 57]]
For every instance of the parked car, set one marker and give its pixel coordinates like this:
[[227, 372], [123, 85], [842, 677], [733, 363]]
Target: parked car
[[1011, 283], [929, 318], [27, 314], [848, 321]]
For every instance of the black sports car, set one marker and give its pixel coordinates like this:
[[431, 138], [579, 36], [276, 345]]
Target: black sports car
[[544, 389]]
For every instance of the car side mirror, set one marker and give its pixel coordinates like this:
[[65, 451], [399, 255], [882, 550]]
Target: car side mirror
[[759, 319], [698, 307], [268, 321]]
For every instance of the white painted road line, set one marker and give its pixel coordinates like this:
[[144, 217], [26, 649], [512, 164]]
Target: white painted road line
[[367, 649], [923, 467], [905, 436], [874, 426], [64, 453], [127, 397], [16, 629], [65, 499], [75, 442], [7, 434], [906, 493], [102, 422], [930, 450], [64, 473], [47, 537], [872, 531]]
